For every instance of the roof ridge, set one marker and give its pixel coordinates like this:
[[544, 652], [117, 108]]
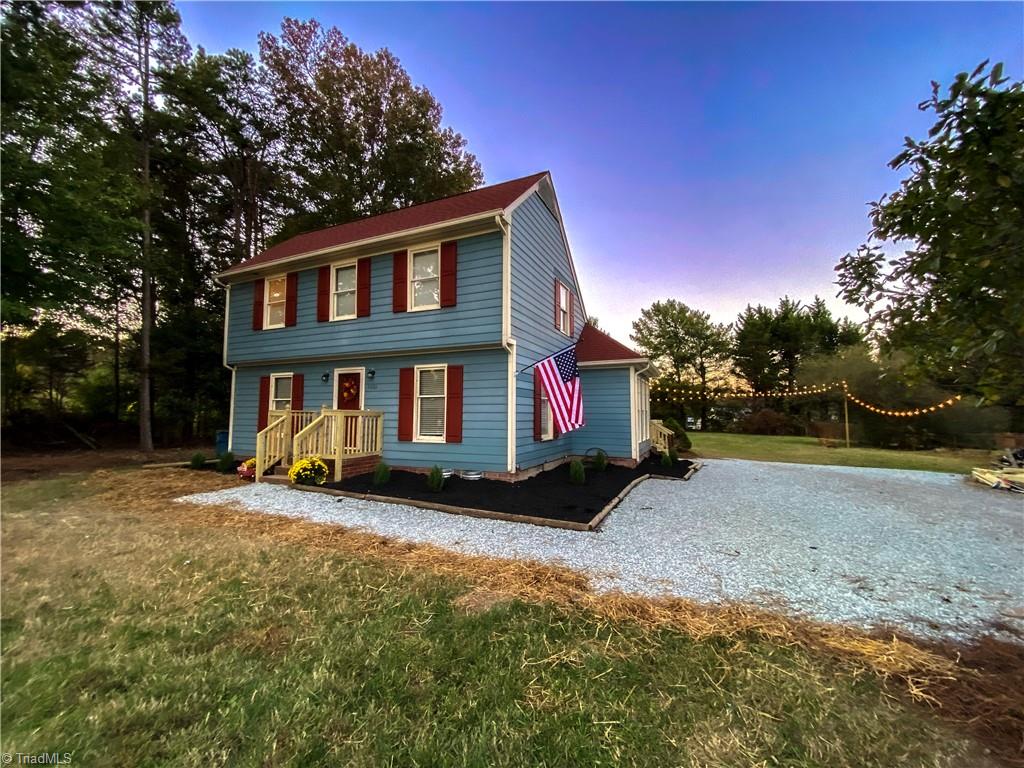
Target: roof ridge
[[414, 205], [472, 202]]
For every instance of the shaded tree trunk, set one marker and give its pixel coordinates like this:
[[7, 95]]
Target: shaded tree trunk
[[145, 386]]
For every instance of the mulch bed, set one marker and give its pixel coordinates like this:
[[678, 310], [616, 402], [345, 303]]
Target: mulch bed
[[548, 495]]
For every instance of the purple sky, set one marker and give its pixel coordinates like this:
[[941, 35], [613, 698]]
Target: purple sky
[[720, 154]]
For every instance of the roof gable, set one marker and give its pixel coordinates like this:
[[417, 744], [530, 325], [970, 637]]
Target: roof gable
[[496, 197], [597, 346]]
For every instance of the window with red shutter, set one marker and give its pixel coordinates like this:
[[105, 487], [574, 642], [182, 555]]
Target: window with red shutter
[[263, 406], [405, 403], [449, 272], [323, 294], [363, 288], [291, 305], [298, 391], [399, 283], [538, 429], [453, 405], [258, 289]]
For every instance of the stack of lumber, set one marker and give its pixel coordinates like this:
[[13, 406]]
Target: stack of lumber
[[1005, 478]]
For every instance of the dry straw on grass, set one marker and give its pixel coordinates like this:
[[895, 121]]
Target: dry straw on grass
[[988, 702]]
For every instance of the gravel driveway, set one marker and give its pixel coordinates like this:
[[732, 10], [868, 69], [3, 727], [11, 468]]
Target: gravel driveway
[[929, 552]]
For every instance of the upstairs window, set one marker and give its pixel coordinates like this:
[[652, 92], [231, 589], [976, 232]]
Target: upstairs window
[[280, 391], [430, 404], [343, 294], [425, 279], [275, 301], [564, 302]]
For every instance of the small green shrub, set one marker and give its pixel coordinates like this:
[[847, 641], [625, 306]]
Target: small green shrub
[[683, 442], [577, 475], [226, 463], [600, 461], [668, 458], [674, 424], [381, 474], [308, 471], [435, 480], [198, 461]]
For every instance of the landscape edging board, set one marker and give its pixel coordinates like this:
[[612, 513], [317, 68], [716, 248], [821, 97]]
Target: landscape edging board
[[597, 519], [468, 511]]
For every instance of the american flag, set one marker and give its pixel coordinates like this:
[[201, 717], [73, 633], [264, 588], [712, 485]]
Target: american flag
[[561, 380]]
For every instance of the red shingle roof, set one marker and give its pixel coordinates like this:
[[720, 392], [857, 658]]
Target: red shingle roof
[[492, 198], [597, 346]]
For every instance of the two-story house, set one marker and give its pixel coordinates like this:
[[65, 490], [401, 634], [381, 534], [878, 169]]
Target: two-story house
[[411, 336]]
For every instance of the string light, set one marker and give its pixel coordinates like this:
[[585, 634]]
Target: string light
[[906, 413], [678, 393]]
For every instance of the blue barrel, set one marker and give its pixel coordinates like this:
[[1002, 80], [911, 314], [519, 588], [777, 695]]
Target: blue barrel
[[222, 442]]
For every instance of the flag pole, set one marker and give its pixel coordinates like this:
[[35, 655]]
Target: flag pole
[[563, 349]]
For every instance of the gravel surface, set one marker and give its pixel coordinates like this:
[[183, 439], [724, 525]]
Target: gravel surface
[[930, 553]]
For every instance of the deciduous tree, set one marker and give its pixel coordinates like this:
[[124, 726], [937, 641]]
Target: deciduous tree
[[955, 300], [687, 342], [361, 138]]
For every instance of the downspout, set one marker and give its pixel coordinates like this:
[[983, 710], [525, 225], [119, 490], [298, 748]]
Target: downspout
[[507, 342], [224, 362]]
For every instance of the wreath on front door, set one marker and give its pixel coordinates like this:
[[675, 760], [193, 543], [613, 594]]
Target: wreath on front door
[[349, 391]]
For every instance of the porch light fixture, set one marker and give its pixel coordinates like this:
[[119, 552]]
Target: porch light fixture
[[371, 373], [326, 377]]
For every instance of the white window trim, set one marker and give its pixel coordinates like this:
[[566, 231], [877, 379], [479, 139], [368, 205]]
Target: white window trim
[[568, 300], [266, 302], [545, 402], [362, 386], [291, 397], [334, 282], [416, 437], [409, 278]]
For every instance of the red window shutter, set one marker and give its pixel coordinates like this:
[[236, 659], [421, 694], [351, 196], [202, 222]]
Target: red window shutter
[[449, 270], [298, 390], [263, 407], [363, 288], [258, 289], [453, 405], [405, 403], [538, 433], [557, 305], [572, 315], [399, 284], [323, 294], [291, 299]]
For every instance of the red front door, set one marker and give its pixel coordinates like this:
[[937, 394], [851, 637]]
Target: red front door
[[349, 385]]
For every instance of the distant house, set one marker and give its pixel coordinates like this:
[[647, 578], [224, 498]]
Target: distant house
[[410, 335]]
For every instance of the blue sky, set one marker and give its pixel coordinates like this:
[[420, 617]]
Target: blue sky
[[717, 153]]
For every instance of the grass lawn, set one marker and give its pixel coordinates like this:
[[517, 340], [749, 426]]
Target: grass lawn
[[136, 631], [807, 450]]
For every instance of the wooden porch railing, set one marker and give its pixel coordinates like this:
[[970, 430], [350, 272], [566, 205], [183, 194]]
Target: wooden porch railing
[[272, 444], [661, 436], [299, 420], [340, 435]]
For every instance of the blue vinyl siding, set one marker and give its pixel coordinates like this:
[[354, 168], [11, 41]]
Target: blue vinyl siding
[[538, 257], [484, 408], [475, 320], [606, 405]]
